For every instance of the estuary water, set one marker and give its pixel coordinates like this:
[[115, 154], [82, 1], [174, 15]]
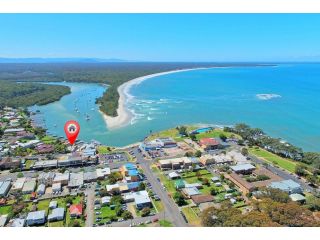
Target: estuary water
[[283, 100]]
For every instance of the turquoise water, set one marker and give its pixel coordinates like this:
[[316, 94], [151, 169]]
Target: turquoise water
[[221, 96]]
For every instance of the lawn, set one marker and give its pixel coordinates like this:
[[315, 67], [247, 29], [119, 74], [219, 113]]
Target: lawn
[[191, 216], [29, 163], [274, 159], [158, 205], [103, 149], [4, 210], [215, 133], [165, 223], [56, 224], [48, 140], [172, 132]]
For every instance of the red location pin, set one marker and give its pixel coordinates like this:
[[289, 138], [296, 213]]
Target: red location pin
[[72, 129]]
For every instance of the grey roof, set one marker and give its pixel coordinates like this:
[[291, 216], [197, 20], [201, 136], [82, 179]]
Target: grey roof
[[56, 213], [4, 187], [190, 191], [76, 179], [53, 204], [41, 188], [243, 167], [87, 176], [285, 185], [3, 220], [38, 215], [18, 222]]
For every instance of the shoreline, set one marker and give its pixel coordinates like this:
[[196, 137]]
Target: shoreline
[[124, 114]]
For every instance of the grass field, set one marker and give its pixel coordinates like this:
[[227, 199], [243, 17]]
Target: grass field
[[274, 159], [4, 210], [103, 149], [48, 140], [29, 163], [215, 133], [191, 216], [165, 223]]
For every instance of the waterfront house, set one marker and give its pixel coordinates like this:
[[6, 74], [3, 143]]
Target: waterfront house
[[209, 143]]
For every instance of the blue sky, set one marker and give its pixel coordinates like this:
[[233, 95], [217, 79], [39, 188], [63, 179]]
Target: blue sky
[[162, 37]]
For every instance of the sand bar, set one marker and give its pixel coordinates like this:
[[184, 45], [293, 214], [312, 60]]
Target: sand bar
[[124, 114]]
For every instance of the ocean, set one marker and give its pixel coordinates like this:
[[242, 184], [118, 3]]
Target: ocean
[[283, 100]]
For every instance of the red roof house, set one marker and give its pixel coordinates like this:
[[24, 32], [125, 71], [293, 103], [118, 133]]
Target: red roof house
[[75, 210], [209, 143]]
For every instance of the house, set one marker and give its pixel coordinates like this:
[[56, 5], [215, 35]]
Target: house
[[53, 204], [62, 178], [179, 184], [36, 218], [113, 187], [215, 179], [199, 199], [190, 191], [56, 187], [4, 188], [90, 177], [105, 200], [46, 178], [29, 186], [57, 214], [245, 168], [288, 186], [244, 186], [166, 142], [18, 184], [175, 163], [130, 170], [45, 164], [133, 186], [3, 220], [173, 175], [296, 197], [28, 144], [140, 198], [207, 159], [102, 173], [75, 210], [44, 148], [18, 222], [209, 143], [76, 180], [41, 190], [9, 162]]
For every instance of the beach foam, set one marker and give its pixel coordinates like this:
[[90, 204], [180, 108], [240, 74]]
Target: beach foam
[[125, 116], [267, 96]]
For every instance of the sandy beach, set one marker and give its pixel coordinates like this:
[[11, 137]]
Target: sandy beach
[[124, 114]]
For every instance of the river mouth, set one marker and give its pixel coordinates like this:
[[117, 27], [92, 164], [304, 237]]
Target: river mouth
[[221, 96]]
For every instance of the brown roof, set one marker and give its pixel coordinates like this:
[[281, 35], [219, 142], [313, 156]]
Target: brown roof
[[209, 142], [238, 180], [197, 199]]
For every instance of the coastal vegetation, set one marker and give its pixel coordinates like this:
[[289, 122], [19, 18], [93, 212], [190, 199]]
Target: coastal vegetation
[[26, 94], [112, 74]]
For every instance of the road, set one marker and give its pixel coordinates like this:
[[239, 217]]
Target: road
[[283, 174], [171, 212], [90, 195]]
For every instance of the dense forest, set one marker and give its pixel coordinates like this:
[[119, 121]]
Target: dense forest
[[113, 74], [16, 95]]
